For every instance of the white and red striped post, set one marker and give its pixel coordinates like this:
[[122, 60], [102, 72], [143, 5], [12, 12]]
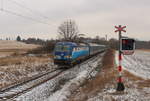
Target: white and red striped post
[[120, 68], [120, 85]]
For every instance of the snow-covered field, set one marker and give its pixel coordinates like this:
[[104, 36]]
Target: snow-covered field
[[136, 78], [17, 69], [138, 64], [137, 88], [63, 85]]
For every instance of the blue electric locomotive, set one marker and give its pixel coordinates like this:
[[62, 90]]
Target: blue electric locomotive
[[69, 53]]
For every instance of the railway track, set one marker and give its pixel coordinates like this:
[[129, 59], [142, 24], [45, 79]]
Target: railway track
[[25, 86], [22, 87]]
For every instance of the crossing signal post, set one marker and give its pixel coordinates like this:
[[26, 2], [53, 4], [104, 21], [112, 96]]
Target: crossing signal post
[[126, 47], [120, 85]]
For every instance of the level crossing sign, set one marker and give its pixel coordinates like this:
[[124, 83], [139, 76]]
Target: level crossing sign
[[126, 47], [119, 29]]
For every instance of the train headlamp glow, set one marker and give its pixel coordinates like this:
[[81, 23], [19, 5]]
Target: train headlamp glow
[[68, 56], [57, 56]]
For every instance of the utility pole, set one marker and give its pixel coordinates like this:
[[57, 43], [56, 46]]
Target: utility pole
[[106, 37]]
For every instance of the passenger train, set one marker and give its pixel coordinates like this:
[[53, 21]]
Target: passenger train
[[70, 53]]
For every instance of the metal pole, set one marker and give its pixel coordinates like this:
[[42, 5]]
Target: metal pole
[[120, 85], [106, 37]]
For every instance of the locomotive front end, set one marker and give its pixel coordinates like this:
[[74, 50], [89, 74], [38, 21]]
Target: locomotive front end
[[62, 54]]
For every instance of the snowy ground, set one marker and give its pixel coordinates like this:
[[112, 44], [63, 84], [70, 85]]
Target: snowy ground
[[137, 86], [136, 80], [59, 88], [138, 64], [16, 69]]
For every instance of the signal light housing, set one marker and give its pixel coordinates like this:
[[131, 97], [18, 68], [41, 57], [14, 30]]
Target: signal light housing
[[127, 46]]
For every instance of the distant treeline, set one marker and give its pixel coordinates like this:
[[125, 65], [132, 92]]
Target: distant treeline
[[142, 44], [113, 43], [48, 45]]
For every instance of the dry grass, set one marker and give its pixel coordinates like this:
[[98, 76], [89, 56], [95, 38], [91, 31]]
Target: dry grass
[[15, 45], [147, 50], [17, 68], [15, 60], [8, 48], [141, 83], [131, 76], [106, 76], [144, 83]]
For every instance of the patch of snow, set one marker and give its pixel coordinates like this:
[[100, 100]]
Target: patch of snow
[[53, 90], [130, 94], [138, 63], [14, 73], [70, 87]]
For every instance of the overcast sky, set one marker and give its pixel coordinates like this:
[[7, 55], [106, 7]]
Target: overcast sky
[[93, 17]]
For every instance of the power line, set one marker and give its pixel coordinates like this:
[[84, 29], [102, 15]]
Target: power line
[[27, 8], [20, 15]]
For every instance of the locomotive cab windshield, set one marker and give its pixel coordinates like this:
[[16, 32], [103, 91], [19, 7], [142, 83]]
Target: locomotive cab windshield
[[62, 52], [62, 48]]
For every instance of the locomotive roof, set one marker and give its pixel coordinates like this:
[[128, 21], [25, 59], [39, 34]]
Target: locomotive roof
[[94, 44], [67, 43], [78, 44]]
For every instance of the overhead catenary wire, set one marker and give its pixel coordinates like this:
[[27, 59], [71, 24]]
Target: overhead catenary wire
[[29, 9], [23, 16], [20, 15]]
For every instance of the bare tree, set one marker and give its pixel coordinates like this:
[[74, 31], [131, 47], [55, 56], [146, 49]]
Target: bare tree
[[68, 31]]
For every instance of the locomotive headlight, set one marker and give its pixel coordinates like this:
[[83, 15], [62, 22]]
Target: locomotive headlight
[[70, 57], [57, 57], [67, 56]]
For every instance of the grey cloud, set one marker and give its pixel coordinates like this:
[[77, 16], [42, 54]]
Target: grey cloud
[[92, 16]]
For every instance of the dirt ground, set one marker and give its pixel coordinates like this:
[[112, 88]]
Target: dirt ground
[[147, 50], [103, 86]]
